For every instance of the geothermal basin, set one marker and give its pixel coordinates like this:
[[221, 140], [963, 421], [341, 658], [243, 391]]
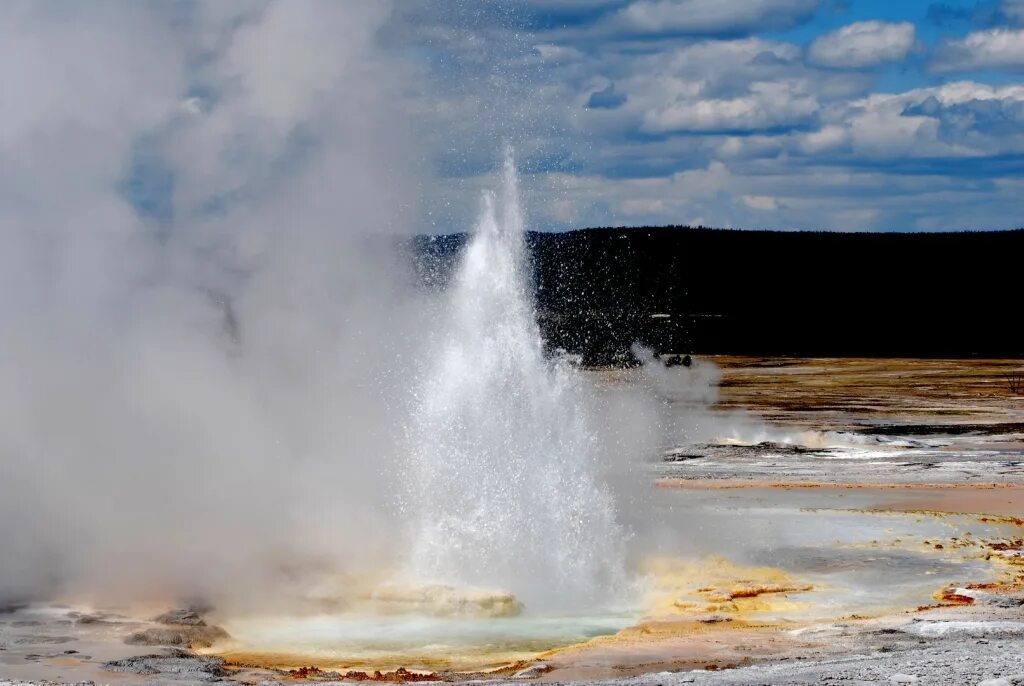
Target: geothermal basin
[[562, 523], [779, 532]]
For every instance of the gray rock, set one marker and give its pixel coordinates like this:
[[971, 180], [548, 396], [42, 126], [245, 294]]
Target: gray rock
[[532, 671], [93, 618], [174, 662], [183, 635], [1013, 680], [181, 617], [8, 607], [43, 640], [1009, 601], [714, 619]]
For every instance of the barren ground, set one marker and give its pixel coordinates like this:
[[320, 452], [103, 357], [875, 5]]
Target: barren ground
[[872, 535]]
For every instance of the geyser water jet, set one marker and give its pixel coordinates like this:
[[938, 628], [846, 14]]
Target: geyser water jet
[[504, 489]]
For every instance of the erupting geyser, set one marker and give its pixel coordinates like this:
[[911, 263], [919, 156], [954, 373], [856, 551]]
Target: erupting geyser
[[504, 488]]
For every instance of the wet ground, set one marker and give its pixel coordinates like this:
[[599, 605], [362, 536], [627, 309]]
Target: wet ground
[[893, 488], [847, 519]]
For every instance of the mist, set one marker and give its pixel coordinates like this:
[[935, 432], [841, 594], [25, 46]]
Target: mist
[[204, 324]]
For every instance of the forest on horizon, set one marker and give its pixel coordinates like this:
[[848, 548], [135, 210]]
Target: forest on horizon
[[751, 292]]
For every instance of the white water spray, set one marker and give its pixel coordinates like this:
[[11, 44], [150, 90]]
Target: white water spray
[[504, 485]]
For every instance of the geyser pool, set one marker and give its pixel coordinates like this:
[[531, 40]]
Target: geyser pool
[[837, 562], [514, 546], [371, 642]]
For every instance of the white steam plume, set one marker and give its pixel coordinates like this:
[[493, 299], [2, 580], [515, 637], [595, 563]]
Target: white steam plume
[[199, 390]]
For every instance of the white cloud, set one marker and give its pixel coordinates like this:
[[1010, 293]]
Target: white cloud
[[763, 203], [826, 139], [718, 62], [787, 128], [863, 44], [949, 121], [703, 17], [821, 193], [882, 133], [750, 146], [719, 86], [922, 137], [550, 52], [766, 105], [994, 48]]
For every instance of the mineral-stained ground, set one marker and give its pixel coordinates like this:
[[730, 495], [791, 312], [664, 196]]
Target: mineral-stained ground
[[820, 521]]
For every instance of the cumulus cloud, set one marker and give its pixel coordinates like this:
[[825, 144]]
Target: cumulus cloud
[[958, 120], [719, 86], [766, 105], [887, 150], [712, 17], [704, 101], [730, 195], [1000, 48], [639, 106], [863, 44], [827, 138]]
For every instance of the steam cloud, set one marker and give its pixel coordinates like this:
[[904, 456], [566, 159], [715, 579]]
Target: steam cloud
[[202, 321]]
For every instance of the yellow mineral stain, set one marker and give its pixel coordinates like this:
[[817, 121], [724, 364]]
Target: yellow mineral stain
[[701, 588]]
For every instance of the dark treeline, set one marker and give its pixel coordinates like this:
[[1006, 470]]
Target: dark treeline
[[698, 290]]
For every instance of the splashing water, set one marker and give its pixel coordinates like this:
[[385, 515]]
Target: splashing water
[[504, 481]]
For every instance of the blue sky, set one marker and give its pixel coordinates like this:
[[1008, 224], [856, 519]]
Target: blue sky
[[786, 114], [834, 114]]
